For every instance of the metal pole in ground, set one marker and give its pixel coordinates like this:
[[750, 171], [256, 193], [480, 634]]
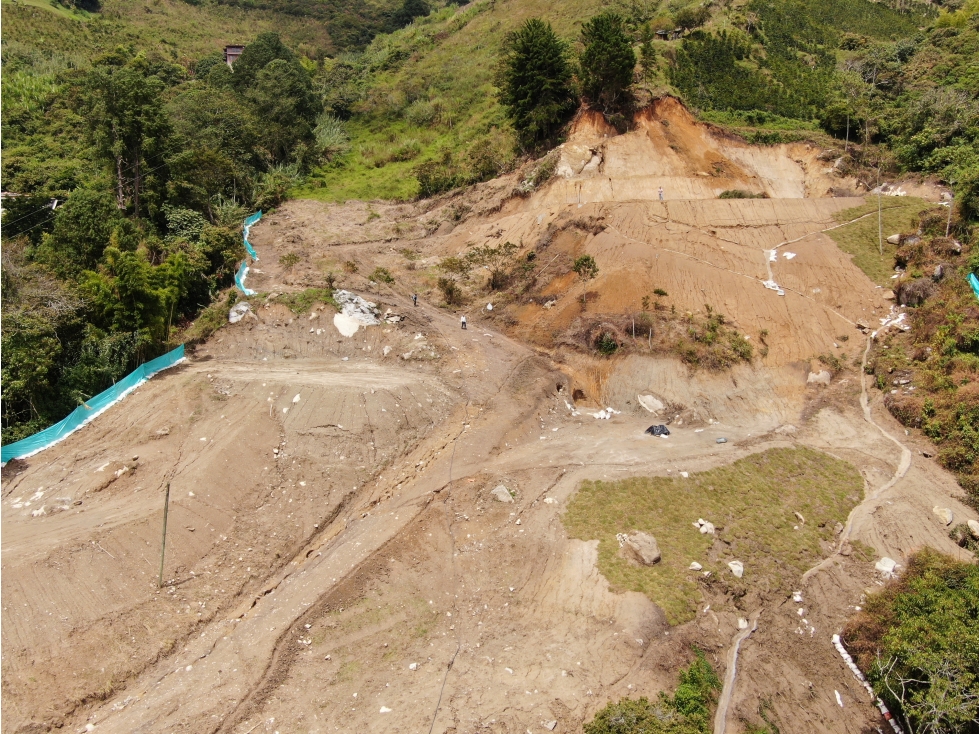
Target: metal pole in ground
[[163, 550]]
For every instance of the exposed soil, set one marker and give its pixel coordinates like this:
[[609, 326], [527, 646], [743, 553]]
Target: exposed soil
[[335, 560]]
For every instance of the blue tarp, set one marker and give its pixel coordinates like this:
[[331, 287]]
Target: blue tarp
[[91, 408], [974, 282]]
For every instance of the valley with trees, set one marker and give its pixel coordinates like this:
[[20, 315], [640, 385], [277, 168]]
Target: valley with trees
[[752, 221]]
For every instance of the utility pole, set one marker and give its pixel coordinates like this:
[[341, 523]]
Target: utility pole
[[880, 218], [163, 550]]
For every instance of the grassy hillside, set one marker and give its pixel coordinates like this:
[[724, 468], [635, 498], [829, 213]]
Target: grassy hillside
[[771, 71]]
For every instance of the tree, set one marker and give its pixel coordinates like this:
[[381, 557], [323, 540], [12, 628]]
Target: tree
[[690, 18], [607, 62], [647, 54], [82, 228], [266, 48], [586, 268], [535, 82], [124, 108], [409, 10], [285, 102], [496, 259]]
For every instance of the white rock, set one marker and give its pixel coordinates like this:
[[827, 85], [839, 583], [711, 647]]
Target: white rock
[[346, 325], [413, 666], [886, 566], [684, 474], [973, 528], [550, 501], [823, 377], [295, 399], [707, 528], [797, 597], [357, 308], [549, 725], [385, 710], [894, 239], [737, 568], [742, 623], [387, 351], [238, 312], [695, 566], [650, 403], [502, 494], [944, 514]]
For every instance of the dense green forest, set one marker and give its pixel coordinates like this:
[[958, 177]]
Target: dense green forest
[[124, 114]]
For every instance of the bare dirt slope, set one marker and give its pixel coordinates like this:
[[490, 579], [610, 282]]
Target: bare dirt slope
[[336, 560]]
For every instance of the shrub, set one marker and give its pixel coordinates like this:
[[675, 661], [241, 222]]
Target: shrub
[[289, 260], [918, 643], [451, 291], [686, 712], [382, 275], [606, 343], [741, 194]]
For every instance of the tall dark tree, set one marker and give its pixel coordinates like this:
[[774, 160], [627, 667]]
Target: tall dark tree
[[266, 48], [409, 10], [607, 62], [124, 108], [535, 82], [287, 105]]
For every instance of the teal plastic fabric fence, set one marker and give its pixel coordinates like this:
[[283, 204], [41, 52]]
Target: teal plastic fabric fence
[[249, 221], [974, 282], [240, 279], [90, 408], [243, 270]]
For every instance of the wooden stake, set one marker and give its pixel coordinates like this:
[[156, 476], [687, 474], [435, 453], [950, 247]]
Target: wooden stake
[[163, 550]]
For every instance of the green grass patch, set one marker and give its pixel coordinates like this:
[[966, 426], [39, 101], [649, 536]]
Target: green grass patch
[[301, 302], [751, 502], [210, 320], [860, 239]]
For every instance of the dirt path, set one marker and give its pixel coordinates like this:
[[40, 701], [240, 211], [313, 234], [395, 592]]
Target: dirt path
[[730, 675], [863, 510]]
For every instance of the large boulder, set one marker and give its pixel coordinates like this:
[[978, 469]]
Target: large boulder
[[639, 548]]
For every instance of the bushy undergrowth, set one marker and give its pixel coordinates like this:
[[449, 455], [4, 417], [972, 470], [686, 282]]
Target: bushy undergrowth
[[930, 374], [917, 641], [687, 711]]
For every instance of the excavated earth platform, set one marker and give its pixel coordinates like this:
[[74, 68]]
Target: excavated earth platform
[[336, 559]]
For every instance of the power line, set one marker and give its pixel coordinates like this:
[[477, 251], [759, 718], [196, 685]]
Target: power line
[[30, 228], [31, 214]]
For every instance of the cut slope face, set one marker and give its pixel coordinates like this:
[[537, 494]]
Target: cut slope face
[[688, 159], [763, 263]]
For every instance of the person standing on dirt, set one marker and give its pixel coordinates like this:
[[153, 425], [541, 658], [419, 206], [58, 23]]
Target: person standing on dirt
[[414, 299], [661, 193], [463, 321]]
